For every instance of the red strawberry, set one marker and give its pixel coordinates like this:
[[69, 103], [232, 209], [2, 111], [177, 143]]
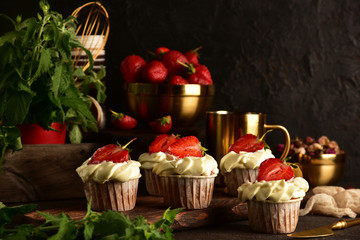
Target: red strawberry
[[188, 146], [160, 51], [173, 60], [112, 152], [199, 74], [274, 169], [162, 142], [154, 72], [161, 125], [177, 80], [193, 55], [122, 121], [131, 68], [247, 143]]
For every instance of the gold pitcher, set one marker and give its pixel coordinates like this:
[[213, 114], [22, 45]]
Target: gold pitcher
[[224, 127]]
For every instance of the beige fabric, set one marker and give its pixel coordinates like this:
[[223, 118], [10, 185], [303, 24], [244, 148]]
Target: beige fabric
[[333, 201]]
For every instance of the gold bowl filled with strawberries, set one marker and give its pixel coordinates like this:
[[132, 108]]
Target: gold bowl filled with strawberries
[[171, 83]]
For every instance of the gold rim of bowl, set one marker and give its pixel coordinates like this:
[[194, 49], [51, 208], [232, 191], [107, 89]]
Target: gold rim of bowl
[[323, 159], [159, 89]]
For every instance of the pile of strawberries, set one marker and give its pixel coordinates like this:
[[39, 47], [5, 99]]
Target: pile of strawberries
[[168, 66]]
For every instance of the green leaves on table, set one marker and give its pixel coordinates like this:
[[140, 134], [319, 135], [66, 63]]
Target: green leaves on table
[[109, 225]]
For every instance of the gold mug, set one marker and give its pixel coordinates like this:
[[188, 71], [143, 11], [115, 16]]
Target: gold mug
[[224, 127]]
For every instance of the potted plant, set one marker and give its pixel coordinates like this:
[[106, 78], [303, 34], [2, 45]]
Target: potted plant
[[38, 80]]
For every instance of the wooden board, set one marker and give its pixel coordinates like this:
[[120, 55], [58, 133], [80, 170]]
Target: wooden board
[[222, 209], [44, 172]]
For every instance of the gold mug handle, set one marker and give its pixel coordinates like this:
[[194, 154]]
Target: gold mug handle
[[286, 135]]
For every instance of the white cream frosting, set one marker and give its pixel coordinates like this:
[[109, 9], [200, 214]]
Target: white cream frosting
[[275, 191], [148, 160], [245, 160], [109, 171], [192, 166]]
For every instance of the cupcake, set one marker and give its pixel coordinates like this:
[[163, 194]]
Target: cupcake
[[155, 155], [242, 162], [110, 179], [274, 198], [188, 175]]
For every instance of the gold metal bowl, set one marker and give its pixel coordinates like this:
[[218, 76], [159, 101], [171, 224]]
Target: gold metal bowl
[[325, 169], [186, 104]]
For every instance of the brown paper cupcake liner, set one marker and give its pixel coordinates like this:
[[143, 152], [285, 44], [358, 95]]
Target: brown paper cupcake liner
[[153, 183], [112, 195], [237, 177], [274, 217], [191, 192]]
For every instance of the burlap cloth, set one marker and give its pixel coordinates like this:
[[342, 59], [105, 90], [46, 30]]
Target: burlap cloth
[[333, 201]]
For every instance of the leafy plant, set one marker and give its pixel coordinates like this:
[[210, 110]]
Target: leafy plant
[[106, 225], [37, 78]]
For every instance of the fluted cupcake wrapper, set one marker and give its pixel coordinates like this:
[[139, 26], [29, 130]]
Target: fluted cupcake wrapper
[[153, 183], [112, 195], [274, 217], [237, 177], [191, 192]]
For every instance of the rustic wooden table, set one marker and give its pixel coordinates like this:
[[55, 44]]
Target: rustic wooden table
[[241, 230], [216, 222]]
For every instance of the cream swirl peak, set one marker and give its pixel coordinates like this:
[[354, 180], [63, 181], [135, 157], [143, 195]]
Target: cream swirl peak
[[149, 160], [192, 166], [245, 160], [108, 171], [275, 191]]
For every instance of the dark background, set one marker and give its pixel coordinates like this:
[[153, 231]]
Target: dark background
[[296, 60]]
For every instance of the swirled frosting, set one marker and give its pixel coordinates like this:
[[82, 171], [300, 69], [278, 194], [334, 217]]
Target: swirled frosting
[[148, 160], [275, 191], [193, 166], [109, 171], [246, 160]]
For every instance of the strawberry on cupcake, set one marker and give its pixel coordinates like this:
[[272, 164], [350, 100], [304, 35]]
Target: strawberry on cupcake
[[274, 198], [242, 162], [155, 155], [188, 174], [110, 178]]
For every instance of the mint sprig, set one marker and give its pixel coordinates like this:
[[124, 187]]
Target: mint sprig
[[106, 225], [38, 78]]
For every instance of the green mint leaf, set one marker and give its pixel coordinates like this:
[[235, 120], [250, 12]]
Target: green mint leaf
[[44, 63], [7, 213], [49, 218], [75, 135], [111, 222], [74, 43], [63, 46], [44, 6], [88, 230], [61, 79], [23, 232], [19, 100], [67, 229], [9, 37], [79, 73], [31, 30]]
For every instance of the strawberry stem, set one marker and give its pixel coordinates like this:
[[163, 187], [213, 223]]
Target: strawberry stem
[[188, 66], [113, 112], [116, 115], [127, 143], [196, 50], [263, 136]]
